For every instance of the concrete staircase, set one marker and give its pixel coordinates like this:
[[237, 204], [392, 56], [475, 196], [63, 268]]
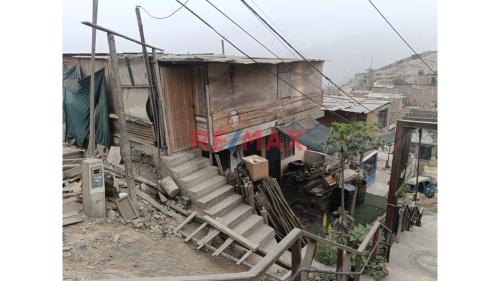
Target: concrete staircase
[[211, 195]]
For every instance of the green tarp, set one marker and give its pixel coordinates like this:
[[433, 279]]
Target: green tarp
[[76, 99]]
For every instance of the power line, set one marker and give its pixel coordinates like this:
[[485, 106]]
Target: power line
[[290, 67], [270, 31], [400, 36], [251, 58], [298, 53], [165, 17]]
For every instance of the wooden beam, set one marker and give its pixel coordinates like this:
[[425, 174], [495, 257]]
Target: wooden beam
[[231, 233], [120, 108], [308, 258], [369, 237], [91, 147], [186, 221], [226, 244], [151, 90], [203, 225], [244, 257], [159, 88], [296, 250], [101, 28], [129, 70]]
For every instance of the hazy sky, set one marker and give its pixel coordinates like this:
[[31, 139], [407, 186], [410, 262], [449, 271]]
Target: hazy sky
[[344, 33]]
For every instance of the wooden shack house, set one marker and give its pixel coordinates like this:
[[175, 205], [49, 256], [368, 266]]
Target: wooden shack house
[[224, 104]]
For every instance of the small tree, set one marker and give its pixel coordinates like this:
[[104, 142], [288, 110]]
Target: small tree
[[348, 140]]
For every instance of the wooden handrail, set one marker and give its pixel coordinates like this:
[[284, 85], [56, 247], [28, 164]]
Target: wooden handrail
[[331, 243], [368, 237]]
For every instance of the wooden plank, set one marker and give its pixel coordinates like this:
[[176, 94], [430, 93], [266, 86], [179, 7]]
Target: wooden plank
[[296, 258], [237, 85], [72, 218], [223, 141], [203, 225], [178, 110], [124, 140], [154, 203], [161, 106], [199, 96], [91, 145], [229, 232], [126, 208], [226, 244], [308, 258], [369, 236], [186, 221], [212, 233], [346, 266], [129, 70], [244, 257]]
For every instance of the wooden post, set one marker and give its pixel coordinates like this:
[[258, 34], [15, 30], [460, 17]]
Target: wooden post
[[353, 204], [340, 263], [159, 88], [342, 190], [296, 258], [150, 81], [357, 267], [118, 100], [91, 147], [394, 178], [308, 258], [417, 151]]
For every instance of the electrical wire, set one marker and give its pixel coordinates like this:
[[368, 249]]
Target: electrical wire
[[165, 17], [400, 36], [270, 31], [303, 58], [251, 58], [290, 67]]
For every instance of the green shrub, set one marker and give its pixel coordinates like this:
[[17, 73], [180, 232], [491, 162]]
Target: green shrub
[[325, 254]]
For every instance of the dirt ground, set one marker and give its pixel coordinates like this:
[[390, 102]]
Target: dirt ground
[[96, 249]]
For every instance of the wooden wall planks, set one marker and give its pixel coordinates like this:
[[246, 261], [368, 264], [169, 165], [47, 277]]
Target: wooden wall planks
[[179, 108]]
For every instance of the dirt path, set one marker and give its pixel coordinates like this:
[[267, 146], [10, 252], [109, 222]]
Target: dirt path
[[104, 250]]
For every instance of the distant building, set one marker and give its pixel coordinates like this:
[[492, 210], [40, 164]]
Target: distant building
[[338, 109]]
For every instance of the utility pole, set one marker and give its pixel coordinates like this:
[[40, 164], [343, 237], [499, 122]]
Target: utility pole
[[91, 146], [222, 45]]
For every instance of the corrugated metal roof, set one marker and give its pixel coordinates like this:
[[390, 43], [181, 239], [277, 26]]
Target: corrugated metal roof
[[206, 57], [334, 103]]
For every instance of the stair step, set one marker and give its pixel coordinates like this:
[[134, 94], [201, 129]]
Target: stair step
[[205, 187], [237, 215], [223, 207], [214, 197], [179, 158], [198, 177], [249, 224], [262, 235], [189, 167]]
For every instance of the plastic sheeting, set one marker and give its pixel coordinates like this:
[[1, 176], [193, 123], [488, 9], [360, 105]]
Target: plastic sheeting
[[76, 99], [308, 132]]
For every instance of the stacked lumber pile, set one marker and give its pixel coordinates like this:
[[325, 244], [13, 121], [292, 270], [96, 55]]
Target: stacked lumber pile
[[71, 153], [72, 185], [139, 131], [272, 205]]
